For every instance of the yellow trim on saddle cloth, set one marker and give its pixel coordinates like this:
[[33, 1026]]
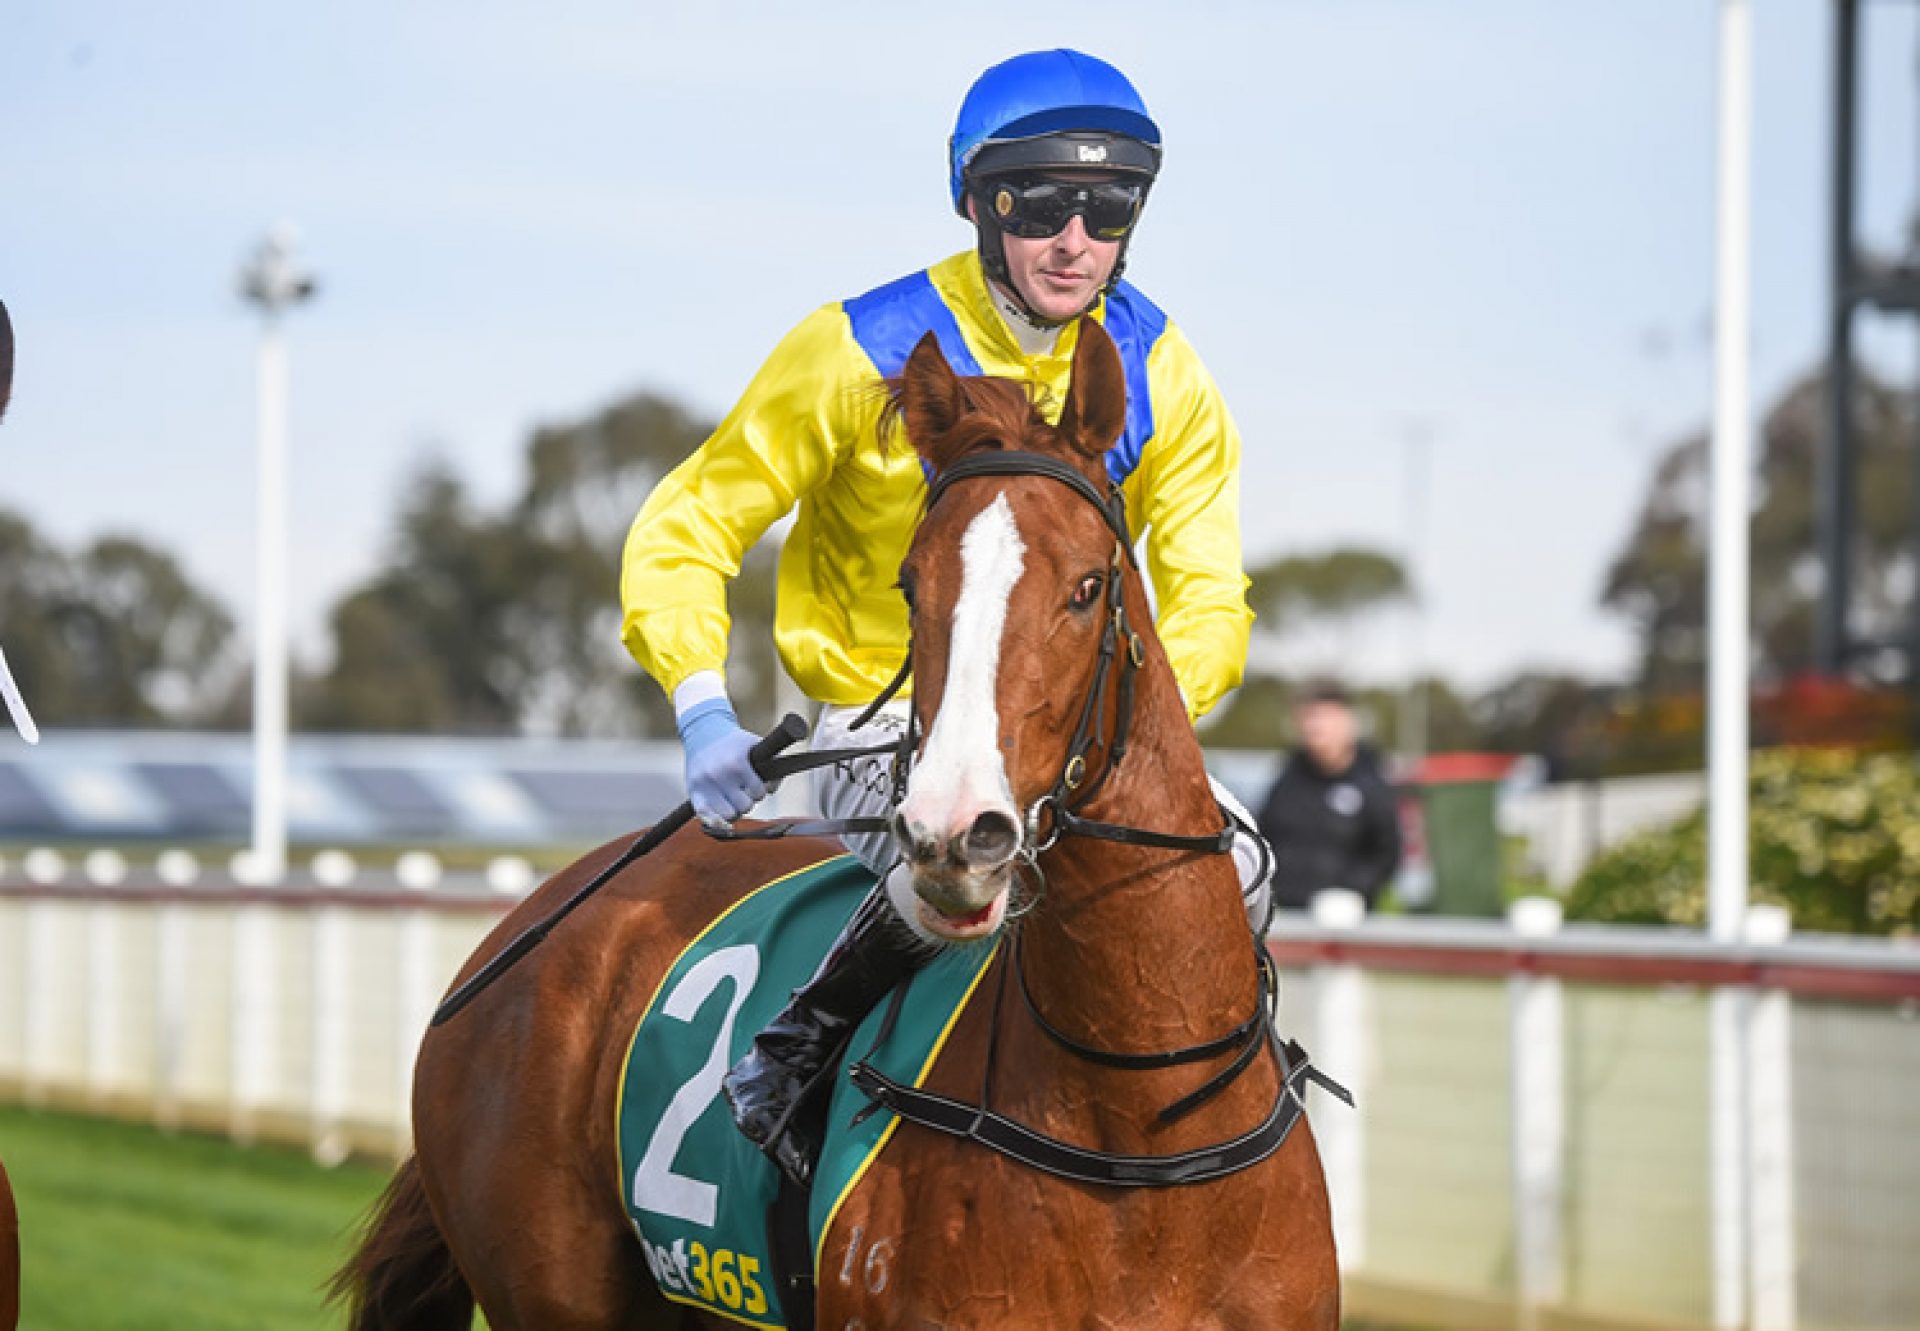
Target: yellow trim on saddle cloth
[[926, 1068]]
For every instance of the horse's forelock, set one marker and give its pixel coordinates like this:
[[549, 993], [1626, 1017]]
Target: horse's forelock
[[1001, 414]]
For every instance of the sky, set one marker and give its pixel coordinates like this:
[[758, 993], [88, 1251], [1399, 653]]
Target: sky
[[1478, 234]]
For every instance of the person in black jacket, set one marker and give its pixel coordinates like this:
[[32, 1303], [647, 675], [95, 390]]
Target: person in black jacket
[[1330, 816]]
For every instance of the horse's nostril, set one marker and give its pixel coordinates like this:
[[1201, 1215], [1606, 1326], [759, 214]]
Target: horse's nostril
[[903, 838], [992, 839]]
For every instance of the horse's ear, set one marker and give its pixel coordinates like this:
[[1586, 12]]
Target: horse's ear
[[931, 398], [1097, 399]]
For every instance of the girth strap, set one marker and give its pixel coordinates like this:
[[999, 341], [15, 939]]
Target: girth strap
[[1065, 1160]]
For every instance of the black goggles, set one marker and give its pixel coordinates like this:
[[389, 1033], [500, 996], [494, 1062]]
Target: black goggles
[[1036, 208]]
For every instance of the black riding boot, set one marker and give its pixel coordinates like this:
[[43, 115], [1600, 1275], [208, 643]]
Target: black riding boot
[[872, 954]]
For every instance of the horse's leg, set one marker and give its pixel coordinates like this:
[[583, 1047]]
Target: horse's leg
[[542, 1249], [514, 1123], [515, 1100]]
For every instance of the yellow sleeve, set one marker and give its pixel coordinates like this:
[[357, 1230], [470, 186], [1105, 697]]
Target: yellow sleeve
[[1186, 494], [786, 434]]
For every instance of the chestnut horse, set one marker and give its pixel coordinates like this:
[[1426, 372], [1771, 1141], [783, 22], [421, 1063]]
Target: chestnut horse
[[1013, 581], [9, 1219]]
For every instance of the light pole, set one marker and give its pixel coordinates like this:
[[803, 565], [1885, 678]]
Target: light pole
[[274, 282]]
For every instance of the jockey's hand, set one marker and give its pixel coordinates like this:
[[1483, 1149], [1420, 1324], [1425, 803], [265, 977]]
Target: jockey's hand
[[721, 781]]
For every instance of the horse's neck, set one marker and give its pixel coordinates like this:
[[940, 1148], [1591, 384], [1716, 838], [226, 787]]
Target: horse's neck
[[1139, 948]]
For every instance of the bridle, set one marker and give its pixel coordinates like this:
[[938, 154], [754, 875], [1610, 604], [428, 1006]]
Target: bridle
[[1120, 650], [1053, 815]]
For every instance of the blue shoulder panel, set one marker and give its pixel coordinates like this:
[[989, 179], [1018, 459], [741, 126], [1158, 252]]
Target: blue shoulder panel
[[889, 321], [1135, 324]]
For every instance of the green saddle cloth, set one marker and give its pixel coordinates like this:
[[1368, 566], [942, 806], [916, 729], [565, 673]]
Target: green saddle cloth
[[696, 1190]]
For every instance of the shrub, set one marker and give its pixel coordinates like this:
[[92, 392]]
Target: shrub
[[1833, 836]]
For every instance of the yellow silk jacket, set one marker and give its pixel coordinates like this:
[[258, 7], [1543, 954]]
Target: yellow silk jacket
[[806, 433]]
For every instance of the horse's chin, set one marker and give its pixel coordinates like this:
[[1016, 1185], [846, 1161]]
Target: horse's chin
[[933, 911], [962, 928]]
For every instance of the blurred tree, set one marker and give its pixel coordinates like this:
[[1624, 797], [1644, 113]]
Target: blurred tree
[[424, 644], [1308, 607], [1331, 589], [585, 483], [1450, 720], [115, 635], [1658, 581], [1543, 712], [1256, 715], [512, 623]]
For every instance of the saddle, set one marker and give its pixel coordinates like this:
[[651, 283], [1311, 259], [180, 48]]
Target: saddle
[[721, 1229]]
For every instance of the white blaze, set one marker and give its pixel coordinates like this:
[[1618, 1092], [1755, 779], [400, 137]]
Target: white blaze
[[961, 773]]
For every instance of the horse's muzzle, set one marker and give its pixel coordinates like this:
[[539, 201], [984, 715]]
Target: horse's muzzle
[[985, 845]]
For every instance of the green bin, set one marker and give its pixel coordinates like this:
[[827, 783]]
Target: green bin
[[1457, 805]]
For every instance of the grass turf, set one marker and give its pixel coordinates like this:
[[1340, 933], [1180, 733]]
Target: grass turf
[[124, 1227]]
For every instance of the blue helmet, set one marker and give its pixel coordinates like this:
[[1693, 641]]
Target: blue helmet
[[1050, 109]]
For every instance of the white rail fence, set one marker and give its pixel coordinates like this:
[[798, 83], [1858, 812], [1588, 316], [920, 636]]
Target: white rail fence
[[1532, 1146]]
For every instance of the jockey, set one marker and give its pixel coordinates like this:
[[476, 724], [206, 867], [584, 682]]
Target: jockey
[[1052, 160]]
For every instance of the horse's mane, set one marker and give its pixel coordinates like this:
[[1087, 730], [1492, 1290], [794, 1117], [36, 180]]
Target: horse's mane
[[1001, 413]]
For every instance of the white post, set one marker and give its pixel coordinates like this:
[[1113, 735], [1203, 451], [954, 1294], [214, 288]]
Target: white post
[[331, 1009], [41, 999], [255, 999], [177, 869], [1537, 1099], [270, 612], [273, 281], [1772, 1251], [1340, 1046], [417, 988], [1732, 463], [103, 993], [1727, 1153], [170, 1013], [1727, 682]]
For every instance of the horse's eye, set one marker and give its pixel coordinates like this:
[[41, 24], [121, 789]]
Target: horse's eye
[[1087, 592]]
